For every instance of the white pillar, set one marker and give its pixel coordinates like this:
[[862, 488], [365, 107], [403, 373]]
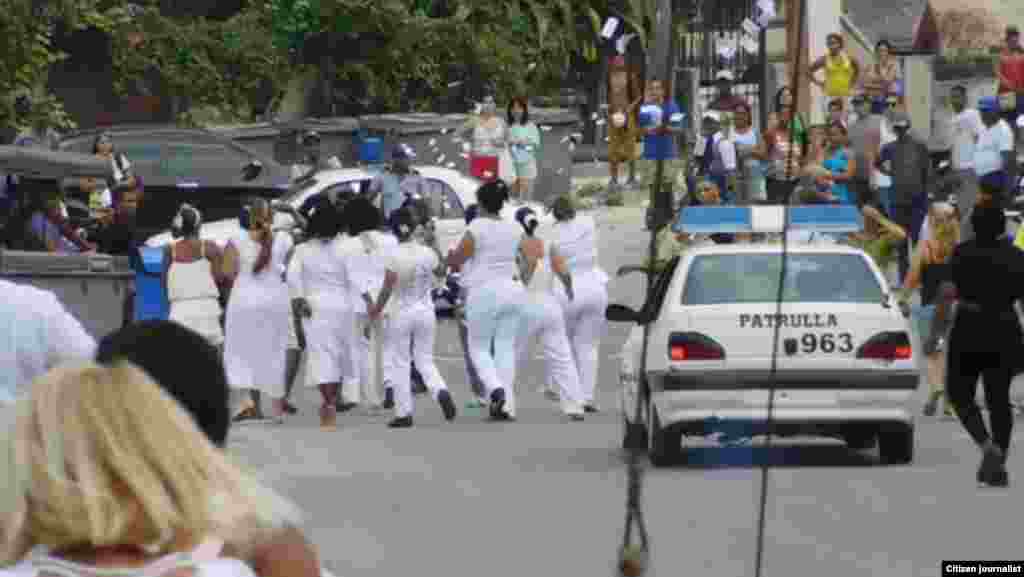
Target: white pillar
[[918, 82], [822, 20]]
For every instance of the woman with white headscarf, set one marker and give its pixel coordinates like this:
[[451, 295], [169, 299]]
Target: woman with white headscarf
[[584, 297], [195, 282], [542, 314]]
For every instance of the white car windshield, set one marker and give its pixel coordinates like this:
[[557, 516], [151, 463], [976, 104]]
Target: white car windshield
[[716, 279]]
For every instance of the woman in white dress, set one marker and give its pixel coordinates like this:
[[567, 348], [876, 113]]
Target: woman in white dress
[[584, 302], [256, 325], [316, 277], [195, 280], [544, 322], [495, 298], [411, 271], [373, 247]]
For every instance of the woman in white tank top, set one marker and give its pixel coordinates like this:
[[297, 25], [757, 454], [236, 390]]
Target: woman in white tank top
[[575, 240], [542, 316], [193, 276], [494, 297]]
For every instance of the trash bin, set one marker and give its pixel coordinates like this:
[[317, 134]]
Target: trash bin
[[150, 287], [91, 287]]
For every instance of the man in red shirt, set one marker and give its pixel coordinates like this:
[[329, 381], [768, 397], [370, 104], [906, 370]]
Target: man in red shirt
[[1010, 71]]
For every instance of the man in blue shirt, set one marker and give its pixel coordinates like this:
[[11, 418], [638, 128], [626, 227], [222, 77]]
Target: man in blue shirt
[[660, 141], [397, 183]]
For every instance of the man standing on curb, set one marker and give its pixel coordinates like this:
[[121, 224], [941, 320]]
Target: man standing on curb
[[966, 127], [908, 163]]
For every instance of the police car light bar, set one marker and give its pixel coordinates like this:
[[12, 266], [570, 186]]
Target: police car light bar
[[769, 219]]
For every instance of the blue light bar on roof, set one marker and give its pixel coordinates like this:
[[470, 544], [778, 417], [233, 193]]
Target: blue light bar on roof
[[768, 219]]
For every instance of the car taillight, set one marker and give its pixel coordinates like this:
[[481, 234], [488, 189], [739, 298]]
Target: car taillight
[[890, 346], [694, 347]]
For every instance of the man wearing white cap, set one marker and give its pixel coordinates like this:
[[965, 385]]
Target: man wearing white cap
[[717, 156]]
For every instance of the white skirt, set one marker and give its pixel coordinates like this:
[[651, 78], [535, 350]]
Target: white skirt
[[255, 339], [329, 334], [201, 316]]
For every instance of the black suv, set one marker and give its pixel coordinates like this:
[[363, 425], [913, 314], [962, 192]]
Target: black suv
[[179, 165]]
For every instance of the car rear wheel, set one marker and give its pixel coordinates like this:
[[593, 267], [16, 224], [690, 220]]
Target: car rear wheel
[[896, 445], [665, 444]]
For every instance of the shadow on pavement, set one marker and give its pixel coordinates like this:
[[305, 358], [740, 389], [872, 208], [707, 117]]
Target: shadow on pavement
[[784, 456]]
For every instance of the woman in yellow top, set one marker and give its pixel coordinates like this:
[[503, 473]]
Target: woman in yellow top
[[841, 70]]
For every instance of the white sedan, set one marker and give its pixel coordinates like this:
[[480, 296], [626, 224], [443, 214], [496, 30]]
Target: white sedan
[[840, 366], [450, 193]]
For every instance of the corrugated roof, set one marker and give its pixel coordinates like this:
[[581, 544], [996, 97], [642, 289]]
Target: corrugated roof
[[892, 20]]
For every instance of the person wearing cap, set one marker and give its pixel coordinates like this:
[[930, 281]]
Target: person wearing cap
[[993, 154], [717, 156], [1010, 72], [726, 102], [397, 183], [661, 121], [840, 69], [543, 320], [907, 162]]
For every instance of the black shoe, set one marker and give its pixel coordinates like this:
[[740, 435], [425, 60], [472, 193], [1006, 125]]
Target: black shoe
[[588, 408], [498, 405], [344, 407], [991, 471], [444, 398], [290, 408], [576, 417], [400, 423], [389, 399]]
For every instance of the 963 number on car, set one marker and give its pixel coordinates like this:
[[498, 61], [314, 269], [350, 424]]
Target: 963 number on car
[[827, 343]]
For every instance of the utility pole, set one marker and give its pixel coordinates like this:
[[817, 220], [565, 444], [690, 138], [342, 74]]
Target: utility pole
[[662, 63]]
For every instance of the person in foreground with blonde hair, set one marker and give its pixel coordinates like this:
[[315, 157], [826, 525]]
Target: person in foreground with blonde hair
[[286, 553], [93, 486]]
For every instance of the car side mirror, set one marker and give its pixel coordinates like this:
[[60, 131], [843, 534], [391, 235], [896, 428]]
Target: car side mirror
[[621, 314], [252, 170]]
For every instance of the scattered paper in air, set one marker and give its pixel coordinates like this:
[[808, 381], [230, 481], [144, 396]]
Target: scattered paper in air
[[564, 139], [433, 142], [450, 165], [464, 155], [623, 42], [545, 128], [440, 159], [750, 27], [444, 131], [466, 147], [531, 66], [610, 26], [560, 171], [727, 52], [454, 84], [593, 116], [676, 118], [599, 122], [750, 46]]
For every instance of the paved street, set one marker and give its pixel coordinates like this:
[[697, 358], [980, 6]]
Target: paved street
[[545, 497]]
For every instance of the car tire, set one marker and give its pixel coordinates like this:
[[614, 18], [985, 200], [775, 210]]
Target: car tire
[[896, 445], [665, 444]]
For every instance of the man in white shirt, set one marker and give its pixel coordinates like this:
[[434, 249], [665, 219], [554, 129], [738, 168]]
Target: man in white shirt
[[718, 157], [36, 334], [966, 127], [993, 153]]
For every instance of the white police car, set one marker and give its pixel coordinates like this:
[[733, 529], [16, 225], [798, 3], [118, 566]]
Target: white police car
[[844, 363]]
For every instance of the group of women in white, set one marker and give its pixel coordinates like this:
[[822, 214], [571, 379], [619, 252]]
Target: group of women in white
[[365, 301]]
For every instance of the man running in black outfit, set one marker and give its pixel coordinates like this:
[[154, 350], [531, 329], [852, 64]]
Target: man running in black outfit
[[986, 336]]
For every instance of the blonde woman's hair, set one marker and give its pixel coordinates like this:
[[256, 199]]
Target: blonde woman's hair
[[101, 456]]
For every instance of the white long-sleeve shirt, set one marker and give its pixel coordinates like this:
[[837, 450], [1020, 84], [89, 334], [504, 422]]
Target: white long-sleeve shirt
[[36, 334]]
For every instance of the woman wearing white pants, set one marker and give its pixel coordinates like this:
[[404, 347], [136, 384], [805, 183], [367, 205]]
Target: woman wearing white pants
[[543, 318], [495, 298], [365, 380], [316, 277], [411, 270], [575, 240]]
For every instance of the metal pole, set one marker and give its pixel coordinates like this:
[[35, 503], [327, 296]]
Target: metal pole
[[763, 98]]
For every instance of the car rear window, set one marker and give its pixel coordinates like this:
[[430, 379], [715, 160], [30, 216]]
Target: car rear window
[[754, 278]]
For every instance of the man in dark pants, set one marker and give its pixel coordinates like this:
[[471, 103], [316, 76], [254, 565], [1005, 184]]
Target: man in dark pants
[[986, 337], [908, 163]]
